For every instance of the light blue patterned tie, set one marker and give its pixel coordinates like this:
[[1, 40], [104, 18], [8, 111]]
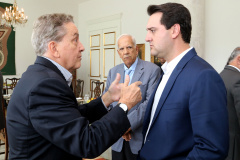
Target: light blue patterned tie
[[128, 73]]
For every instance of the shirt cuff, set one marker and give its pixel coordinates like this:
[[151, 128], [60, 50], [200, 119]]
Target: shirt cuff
[[107, 108]]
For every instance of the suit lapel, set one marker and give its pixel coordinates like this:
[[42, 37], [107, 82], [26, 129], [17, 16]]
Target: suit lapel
[[182, 63], [149, 108], [138, 71], [120, 70]]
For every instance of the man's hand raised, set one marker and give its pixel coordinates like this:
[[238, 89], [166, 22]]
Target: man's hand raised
[[114, 92], [130, 95]]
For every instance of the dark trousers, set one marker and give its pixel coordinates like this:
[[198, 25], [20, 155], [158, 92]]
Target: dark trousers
[[125, 154]]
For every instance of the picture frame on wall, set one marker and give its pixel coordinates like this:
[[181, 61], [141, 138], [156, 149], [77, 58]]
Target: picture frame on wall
[[157, 61], [7, 46], [141, 51]]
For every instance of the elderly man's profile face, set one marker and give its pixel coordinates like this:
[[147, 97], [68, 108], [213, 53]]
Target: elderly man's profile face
[[70, 48], [127, 51]]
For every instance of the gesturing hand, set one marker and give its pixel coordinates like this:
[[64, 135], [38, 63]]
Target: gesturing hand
[[114, 91], [130, 95], [127, 135], [115, 88]]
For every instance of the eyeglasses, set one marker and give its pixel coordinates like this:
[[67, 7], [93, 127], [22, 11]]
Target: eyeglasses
[[129, 48]]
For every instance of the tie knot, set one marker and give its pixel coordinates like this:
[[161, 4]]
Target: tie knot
[[129, 71]]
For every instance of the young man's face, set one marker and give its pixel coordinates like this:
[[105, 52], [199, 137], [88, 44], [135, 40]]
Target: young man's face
[[158, 36]]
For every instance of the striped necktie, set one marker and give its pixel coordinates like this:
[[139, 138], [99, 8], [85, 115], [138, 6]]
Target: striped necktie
[[128, 73]]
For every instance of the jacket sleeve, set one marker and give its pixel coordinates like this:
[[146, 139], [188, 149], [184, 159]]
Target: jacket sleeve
[[209, 118], [54, 114], [91, 112]]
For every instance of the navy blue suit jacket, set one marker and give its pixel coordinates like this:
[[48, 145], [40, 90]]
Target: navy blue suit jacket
[[191, 120], [45, 122]]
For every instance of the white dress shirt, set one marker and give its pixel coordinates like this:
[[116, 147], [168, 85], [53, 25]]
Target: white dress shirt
[[167, 69], [234, 67]]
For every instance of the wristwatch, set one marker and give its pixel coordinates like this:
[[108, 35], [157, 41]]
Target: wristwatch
[[124, 107]]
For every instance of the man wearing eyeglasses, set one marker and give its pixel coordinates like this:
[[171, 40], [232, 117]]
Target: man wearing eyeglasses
[[127, 147]]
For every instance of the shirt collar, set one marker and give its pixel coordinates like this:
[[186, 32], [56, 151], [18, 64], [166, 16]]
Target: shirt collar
[[234, 67], [67, 75], [133, 66], [169, 67]]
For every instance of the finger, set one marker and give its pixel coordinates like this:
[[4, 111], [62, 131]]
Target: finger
[[124, 137], [127, 79], [138, 83], [129, 137], [117, 79]]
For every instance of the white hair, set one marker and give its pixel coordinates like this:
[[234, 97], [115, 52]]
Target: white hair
[[47, 28], [129, 35]]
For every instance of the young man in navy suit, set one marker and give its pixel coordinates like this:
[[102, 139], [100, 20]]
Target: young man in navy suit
[[186, 116], [43, 118]]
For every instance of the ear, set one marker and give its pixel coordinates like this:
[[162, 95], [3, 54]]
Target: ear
[[52, 47], [238, 61], [175, 30], [119, 53]]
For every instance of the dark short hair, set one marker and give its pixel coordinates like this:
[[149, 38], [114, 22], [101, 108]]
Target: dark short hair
[[174, 13]]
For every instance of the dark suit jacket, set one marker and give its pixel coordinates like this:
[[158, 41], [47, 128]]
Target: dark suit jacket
[[231, 78], [45, 122], [191, 119]]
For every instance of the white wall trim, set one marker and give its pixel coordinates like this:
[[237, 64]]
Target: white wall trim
[[105, 19]]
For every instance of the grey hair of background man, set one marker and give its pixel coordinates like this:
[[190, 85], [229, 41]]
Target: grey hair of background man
[[233, 55], [49, 28], [133, 39]]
